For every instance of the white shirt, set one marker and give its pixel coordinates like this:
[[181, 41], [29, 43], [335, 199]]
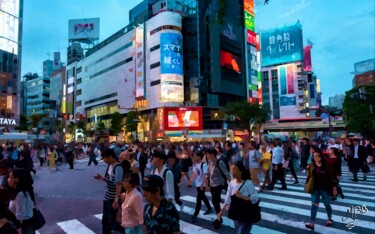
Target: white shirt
[[277, 155], [247, 189], [22, 206], [356, 151], [168, 183], [199, 173]]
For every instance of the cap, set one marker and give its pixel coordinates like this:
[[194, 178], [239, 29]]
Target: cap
[[152, 181], [160, 155], [132, 178]]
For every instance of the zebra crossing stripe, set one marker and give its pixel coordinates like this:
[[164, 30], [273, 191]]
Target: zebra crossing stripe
[[305, 202], [184, 227], [353, 184], [306, 195], [226, 221], [74, 226]]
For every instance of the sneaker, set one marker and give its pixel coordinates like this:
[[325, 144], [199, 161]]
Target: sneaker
[[309, 226], [296, 182], [207, 212], [194, 219]]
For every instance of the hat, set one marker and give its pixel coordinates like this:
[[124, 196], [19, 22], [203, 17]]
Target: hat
[[160, 155], [134, 178], [152, 181]]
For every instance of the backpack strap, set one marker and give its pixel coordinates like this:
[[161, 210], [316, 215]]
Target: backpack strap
[[242, 185], [165, 174], [221, 172], [202, 166]]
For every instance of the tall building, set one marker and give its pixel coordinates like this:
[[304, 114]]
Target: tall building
[[183, 54], [10, 60], [37, 94], [57, 87], [289, 87], [337, 101]]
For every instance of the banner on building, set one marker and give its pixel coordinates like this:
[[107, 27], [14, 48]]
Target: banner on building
[[288, 100], [307, 58], [249, 6], [139, 63], [249, 21], [282, 45]]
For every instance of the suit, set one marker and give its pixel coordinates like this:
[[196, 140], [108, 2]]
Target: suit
[[142, 159], [357, 160]]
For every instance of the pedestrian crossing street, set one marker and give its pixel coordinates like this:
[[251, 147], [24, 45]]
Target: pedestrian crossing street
[[283, 211]]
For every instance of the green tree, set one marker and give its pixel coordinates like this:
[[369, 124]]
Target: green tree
[[250, 115], [130, 124], [23, 126], [358, 116], [101, 127], [116, 124], [72, 128], [58, 126], [81, 124]]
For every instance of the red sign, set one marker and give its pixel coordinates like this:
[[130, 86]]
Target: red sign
[[251, 37], [230, 61], [249, 6], [161, 119], [183, 118], [307, 58], [257, 42]]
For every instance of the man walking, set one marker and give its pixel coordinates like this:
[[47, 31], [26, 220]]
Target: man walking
[[277, 166], [358, 160]]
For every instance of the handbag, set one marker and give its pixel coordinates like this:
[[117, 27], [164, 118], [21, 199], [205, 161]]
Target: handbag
[[38, 219], [310, 185], [244, 211]]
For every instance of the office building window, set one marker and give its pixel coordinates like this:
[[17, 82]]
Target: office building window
[[157, 64]]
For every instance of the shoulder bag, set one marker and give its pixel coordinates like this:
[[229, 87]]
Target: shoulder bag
[[244, 211]]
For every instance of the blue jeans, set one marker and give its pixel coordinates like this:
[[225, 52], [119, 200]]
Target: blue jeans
[[242, 228], [326, 199], [134, 230]]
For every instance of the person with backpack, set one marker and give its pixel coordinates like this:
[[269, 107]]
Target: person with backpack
[[218, 176], [200, 172], [159, 161], [114, 179]]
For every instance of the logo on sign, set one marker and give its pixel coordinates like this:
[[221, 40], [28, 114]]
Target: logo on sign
[[229, 33]]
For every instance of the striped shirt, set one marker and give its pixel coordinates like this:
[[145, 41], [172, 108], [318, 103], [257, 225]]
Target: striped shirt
[[113, 175]]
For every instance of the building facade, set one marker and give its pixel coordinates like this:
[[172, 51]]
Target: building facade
[[10, 59], [364, 72]]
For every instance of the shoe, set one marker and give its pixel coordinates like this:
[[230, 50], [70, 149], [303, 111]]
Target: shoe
[[329, 223], [207, 212], [296, 182], [217, 223], [355, 180], [194, 219], [269, 188], [181, 207], [309, 226], [283, 188]]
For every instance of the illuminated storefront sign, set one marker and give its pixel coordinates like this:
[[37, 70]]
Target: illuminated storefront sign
[[282, 45], [6, 121]]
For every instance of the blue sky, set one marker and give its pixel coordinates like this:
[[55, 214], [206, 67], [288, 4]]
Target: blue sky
[[342, 31]]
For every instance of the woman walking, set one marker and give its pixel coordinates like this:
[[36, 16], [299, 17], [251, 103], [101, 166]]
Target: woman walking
[[320, 184], [92, 155], [186, 162], [334, 167], [52, 158], [242, 187], [23, 203], [290, 156], [266, 166]]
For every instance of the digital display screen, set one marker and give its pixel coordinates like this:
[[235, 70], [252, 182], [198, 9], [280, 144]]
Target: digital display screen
[[179, 118], [230, 61]]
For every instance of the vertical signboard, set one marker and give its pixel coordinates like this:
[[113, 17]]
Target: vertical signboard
[[171, 67], [139, 63], [249, 6], [249, 21], [282, 45], [290, 78], [307, 58]]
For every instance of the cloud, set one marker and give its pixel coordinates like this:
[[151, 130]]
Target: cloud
[[297, 7]]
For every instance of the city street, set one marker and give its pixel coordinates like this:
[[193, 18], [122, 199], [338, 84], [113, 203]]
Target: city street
[[71, 201]]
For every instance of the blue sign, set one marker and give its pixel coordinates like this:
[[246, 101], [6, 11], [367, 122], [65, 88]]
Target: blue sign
[[288, 100], [171, 59], [282, 45]]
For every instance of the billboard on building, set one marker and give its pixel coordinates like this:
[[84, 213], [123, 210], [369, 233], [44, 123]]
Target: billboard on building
[[307, 58], [56, 60], [230, 61], [364, 66], [84, 29], [282, 45], [172, 88], [171, 57], [183, 118], [249, 6], [139, 63], [251, 37]]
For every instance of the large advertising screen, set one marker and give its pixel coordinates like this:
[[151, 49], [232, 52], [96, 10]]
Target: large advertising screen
[[171, 57], [172, 88], [183, 118], [364, 66], [84, 29], [139, 63], [282, 45], [230, 61]]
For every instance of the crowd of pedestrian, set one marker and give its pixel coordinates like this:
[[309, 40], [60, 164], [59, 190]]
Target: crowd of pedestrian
[[238, 168]]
